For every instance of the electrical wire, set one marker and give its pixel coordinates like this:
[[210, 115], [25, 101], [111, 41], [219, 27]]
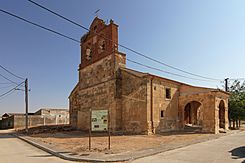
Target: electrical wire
[[123, 46], [11, 73], [11, 89], [236, 78], [7, 94], [167, 72], [8, 79], [51, 30], [59, 15], [40, 26], [6, 86]]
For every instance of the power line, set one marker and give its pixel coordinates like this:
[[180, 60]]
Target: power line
[[11, 73], [51, 30], [11, 90], [7, 95], [236, 78], [167, 72], [40, 26], [59, 15], [6, 86], [162, 63], [9, 79], [123, 46]]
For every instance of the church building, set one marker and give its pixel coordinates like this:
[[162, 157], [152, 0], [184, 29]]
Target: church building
[[138, 102]]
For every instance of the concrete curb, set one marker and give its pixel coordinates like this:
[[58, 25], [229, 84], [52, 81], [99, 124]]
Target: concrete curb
[[118, 158], [64, 156]]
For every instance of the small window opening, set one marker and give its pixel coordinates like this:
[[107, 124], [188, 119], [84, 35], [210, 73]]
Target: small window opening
[[155, 88], [168, 93], [162, 113], [103, 46]]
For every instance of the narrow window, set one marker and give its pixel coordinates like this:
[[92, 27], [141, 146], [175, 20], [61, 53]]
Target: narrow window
[[95, 27], [168, 93], [162, 113], [103, 46]]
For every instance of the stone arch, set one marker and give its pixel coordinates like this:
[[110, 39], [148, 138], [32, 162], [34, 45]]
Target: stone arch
[[222, 114], [193, 113]]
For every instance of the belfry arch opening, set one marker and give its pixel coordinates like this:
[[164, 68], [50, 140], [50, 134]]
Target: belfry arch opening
[[222, 114], [193, 114]]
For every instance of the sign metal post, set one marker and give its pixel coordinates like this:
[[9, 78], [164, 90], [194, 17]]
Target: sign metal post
[[99, 121], [90, 115], [109, 131]]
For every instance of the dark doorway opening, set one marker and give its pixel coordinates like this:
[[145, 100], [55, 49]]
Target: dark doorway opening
[[193, 114], [222, 114]]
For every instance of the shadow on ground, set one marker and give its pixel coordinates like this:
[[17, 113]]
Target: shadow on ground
[[237, 153], [48, 155], [5, 136]]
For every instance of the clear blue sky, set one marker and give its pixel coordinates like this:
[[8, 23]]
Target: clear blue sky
[[203, 37]]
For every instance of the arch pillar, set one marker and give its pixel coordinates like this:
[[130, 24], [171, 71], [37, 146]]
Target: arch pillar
[[221, 114]]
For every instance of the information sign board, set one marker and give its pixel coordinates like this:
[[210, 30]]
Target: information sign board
[[99, 120]]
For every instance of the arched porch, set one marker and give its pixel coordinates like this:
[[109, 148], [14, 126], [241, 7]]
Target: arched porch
[[222, 114], [193, 114]]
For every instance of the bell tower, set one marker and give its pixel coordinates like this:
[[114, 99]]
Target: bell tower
[[99, 42], [99, 76]]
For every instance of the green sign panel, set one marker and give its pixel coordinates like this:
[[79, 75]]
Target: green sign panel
[[99, 120]]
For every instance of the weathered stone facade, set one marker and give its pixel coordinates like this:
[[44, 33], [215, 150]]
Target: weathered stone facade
[[209, 100], [138, 102]]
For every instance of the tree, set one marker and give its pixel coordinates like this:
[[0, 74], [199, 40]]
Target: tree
[[237, 103]]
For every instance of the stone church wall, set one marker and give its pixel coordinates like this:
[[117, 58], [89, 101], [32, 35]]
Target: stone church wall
[[94, 91], [168, 107], [137, 101], [134, 103]]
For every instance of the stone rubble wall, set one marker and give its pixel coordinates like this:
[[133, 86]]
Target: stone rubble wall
[[160, 103], [134, 103]]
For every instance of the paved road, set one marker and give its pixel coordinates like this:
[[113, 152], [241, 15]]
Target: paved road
[[13, 150], [223, 150]]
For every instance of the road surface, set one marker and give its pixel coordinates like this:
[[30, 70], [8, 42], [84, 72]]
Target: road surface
[[223, 150], [13, 150], [227, 149]]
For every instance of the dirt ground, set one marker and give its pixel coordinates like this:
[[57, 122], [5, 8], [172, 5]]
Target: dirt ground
[[77, 142]]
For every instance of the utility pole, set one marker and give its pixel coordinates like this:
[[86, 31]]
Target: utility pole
[[26, 100], [226, 84]]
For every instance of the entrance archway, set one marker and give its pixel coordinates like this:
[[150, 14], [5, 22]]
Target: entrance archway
[[193, 114], [222, 114]]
